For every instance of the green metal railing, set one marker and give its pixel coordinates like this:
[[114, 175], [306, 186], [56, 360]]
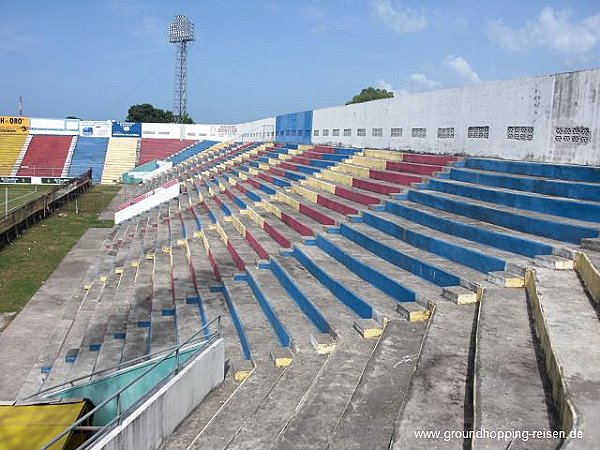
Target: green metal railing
[[119, 398]]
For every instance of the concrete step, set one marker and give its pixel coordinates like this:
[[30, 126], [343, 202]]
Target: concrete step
[[591, 243], [163, 333], [380, 301], [526, 201], [260, 333], [338, 316], [369, 418], [459, 295], [425, 290], [438, 393], [506, 279], [189, 429], [554, 262], [467, 276], [271, 417], [529, 183], [508, 362], [493, 228], [368, 328], [298, 325], [216, 421], [566, 320], [486, 249], [414, 312], [539, 224], [318, 413]]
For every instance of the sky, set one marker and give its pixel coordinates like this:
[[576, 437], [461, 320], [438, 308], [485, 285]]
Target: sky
[[259, 58]]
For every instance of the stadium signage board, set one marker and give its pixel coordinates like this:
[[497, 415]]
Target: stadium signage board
[[15, 180], [14, 125], [55, 180], [126, 129], [95, 128]]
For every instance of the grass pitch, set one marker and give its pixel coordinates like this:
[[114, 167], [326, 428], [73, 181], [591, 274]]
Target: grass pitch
[[19, 194], [30, 260]]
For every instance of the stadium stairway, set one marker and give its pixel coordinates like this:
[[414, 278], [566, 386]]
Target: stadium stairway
[[334, 269]]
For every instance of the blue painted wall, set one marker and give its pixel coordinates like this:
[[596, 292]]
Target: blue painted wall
[[295, 127]]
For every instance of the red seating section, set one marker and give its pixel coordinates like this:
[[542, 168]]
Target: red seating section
[[45, 156], [152, 149]]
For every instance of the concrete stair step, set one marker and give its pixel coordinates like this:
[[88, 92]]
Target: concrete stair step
[[369, 418], [322, 406], [368, 328], [437, 395], [459, 295], [567, 323], [506, 279], [414, 312], [554, 262], [506, 361], [591, 243], [216, 421], [278, 407]]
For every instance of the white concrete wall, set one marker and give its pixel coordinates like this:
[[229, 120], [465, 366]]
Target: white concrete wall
[[147, 201], [162, 131], [54, 126], [547, 102], [152, 423], [256, 130]]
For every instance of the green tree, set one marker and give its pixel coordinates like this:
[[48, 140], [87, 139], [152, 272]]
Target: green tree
[[370, 93], [146, 112]]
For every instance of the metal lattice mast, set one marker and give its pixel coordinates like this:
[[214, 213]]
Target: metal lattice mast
[[181, 33]]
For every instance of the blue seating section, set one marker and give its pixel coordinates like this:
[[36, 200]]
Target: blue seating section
[[190, 151], [584, 174], [89, 152]]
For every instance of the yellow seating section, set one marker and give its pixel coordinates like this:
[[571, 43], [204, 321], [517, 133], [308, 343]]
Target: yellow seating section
[[120, 157], [10, 148]]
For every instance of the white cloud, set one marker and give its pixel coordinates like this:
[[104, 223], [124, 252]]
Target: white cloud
[[383, 84], [461, 68], [452, 71], [422, 82], [400, 19], [551, 29]]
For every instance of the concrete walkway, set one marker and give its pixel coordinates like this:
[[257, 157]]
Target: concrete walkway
[[24, 339], [576, 347]]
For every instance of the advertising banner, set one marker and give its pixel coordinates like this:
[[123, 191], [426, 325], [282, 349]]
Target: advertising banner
[[14, 125], [15, 180], [126, 129], [223, 131], [95, 128], [55, 180]]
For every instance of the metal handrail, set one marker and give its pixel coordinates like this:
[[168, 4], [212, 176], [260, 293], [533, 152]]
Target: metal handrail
[[122, 365], [211, 338]]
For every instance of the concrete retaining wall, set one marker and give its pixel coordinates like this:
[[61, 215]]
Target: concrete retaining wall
[[152, 423], [147, 201], [567, 417], [553, 105], [589, 274]]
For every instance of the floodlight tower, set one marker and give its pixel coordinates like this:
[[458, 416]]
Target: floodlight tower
[[181, 33]]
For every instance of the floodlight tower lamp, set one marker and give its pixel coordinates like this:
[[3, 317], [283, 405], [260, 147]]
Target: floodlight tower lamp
[[180, 32]]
